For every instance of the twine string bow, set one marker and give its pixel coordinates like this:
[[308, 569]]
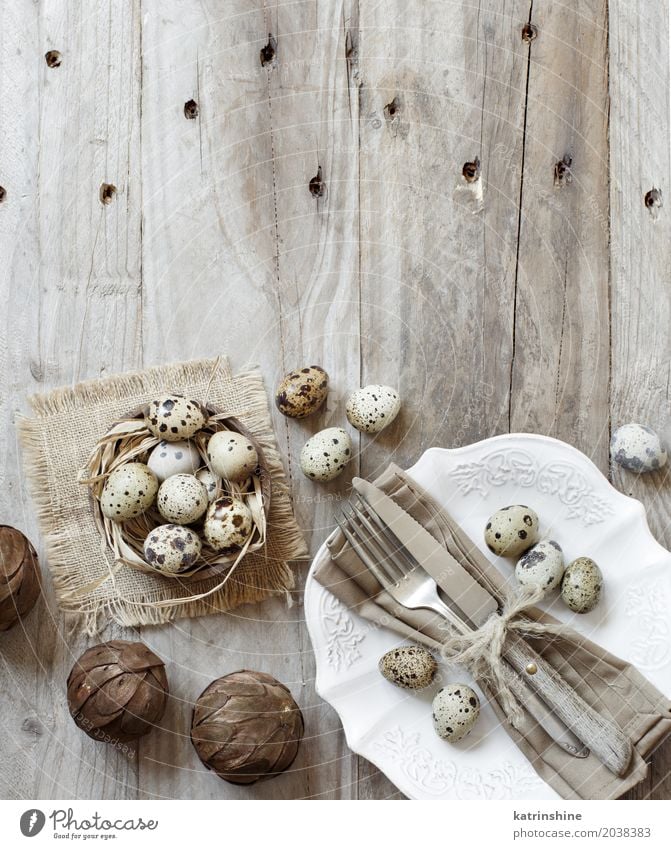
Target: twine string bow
[[481, 650]]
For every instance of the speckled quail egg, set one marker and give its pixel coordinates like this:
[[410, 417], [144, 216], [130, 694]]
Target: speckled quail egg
[[373, 408], [456, 709], [182, 499], [129, 491], [228, 523], [210, 481], [325, 455], [232, 456], [511, 530], [581, 585], [638, 448], [302, 392], [410, 667], [174, 458], [172, 548], [174, 418], [541, 566]]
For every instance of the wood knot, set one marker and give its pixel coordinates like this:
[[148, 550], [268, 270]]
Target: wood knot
[[471, 170], [52, 58], [563, 170], [191, 110], [653, 200], [316, 185], [107, 192], [392, 109], [32, 725], [529, 33], [269, 51], [3, 194]]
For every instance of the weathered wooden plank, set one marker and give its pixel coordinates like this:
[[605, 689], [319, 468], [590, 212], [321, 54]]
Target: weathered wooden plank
[[560, 369], [314, 126], [231, 199], [73, 296], [640, 260], [22, 722], [442, 117]]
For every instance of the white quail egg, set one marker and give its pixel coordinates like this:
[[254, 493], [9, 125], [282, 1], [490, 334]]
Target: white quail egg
[[456, 708], [638, 448], [581, 585], [182, 499], [228, 523], [210, 482], [172, 548], [373, 408], [325, 455], [410, 667], [174, 418], [174, 458], [541, 566], [129, 491], [232, 456], [511, 530]]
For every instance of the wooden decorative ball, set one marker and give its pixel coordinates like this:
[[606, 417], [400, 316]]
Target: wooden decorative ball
[[117, 691], [246, 727], [19, 576]]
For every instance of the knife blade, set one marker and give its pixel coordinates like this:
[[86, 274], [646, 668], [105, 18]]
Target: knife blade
[[598, 733], [465, 592]]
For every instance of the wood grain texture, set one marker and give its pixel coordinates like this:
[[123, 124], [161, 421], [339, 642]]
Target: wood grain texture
[[560, 367], [380, 188], [73, 295], [640, 262]]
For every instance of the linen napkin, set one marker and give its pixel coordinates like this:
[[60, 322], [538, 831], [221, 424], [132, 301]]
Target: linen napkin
[[612, 686]]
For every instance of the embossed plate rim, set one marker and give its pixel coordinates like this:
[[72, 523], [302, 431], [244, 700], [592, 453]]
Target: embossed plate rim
[[366, 723]]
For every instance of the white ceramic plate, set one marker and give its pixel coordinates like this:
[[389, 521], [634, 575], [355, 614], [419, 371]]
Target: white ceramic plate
[[579, 508]]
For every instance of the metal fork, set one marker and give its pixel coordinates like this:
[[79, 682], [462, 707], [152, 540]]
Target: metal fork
[[404, 579]]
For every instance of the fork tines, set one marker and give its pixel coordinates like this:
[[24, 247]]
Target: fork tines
[[375, 544]]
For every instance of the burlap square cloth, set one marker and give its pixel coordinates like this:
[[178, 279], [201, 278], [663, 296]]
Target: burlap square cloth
[[56, 444]]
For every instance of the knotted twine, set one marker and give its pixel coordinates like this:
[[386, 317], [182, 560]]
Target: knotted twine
[[482, 650]]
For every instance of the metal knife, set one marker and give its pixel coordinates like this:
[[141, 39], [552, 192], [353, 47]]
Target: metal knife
[[598, 733]]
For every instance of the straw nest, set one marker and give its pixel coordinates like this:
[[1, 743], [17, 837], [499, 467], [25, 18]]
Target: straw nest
[[130, 440]]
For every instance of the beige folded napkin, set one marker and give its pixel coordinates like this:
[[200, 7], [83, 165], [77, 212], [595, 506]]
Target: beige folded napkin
[[613, 687]]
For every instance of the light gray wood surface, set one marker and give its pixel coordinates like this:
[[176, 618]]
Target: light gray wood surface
[[533, 297]]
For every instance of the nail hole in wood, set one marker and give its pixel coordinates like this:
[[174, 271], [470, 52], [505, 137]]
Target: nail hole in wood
[[107, 192], [317, 186], [3, 194], [392, 109], [563, 170], [471, 170], [53, 58], [191, 110], [529, 32], [653, 199], [268, 52]]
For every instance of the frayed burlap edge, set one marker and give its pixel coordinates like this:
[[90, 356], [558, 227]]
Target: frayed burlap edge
[[276, 574]]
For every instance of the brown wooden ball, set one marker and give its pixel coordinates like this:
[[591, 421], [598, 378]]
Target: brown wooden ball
[[246, 727], [117, 691], [19, 576]]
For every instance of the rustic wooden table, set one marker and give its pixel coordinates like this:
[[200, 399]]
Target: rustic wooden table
[[463, 200]]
